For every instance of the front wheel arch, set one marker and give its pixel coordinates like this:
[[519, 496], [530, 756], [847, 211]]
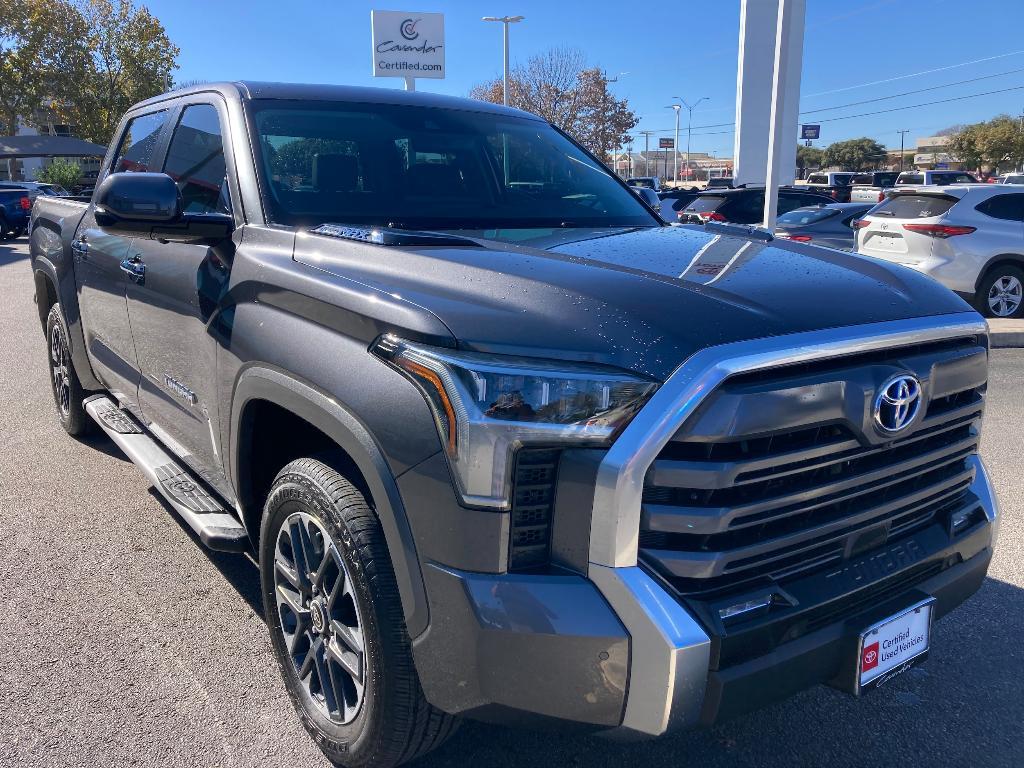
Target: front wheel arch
[[348, 441]]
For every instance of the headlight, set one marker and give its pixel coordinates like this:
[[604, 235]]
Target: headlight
[[486, 406]]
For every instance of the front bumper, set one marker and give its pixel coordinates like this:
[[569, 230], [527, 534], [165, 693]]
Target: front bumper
[[621, 651]]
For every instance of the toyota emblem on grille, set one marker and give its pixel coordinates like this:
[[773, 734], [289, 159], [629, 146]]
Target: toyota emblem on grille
[[897, 403]]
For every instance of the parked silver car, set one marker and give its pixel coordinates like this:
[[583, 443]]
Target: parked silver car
[[969, 237]]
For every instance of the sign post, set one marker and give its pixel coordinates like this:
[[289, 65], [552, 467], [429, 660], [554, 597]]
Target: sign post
[[407, 45]]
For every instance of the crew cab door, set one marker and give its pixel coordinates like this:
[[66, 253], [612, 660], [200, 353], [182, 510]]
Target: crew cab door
[[175, 307], [102, 262]]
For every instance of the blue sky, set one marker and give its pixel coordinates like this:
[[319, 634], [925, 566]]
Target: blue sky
[[675, 47]]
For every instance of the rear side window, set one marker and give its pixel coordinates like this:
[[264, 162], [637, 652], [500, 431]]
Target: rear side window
[[817, 178], [1008, 207], [139, 143], [705, 203], [914, 206], [195, 160], [910, 178], [803, 216]]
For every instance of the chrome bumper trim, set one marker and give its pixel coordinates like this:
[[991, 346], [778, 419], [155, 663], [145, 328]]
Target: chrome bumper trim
[[669, 651]]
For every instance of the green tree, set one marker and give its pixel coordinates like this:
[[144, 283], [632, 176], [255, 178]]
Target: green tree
[[855, 154], [809, 158], [130, 59], [43, 56], [990, 143], [62, 173]]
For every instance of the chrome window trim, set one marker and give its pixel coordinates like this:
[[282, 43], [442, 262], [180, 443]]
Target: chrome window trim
[[615, 521]]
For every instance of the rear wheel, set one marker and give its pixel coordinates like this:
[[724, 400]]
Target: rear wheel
[[1001, 293], [67, 389], [336, 622], [5, 229]]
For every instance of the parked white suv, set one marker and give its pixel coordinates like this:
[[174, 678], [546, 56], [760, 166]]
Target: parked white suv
[[968, 237], [939, 178]]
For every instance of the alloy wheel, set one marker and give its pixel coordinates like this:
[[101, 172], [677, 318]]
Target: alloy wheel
[[1005, 296], [319, 617], [59, 370]]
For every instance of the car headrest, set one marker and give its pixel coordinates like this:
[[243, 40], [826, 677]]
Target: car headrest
[[335, 172]]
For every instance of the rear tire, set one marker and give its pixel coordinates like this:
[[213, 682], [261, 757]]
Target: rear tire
[[5, 229], [336, 622], [67, 389], [1001, 293]]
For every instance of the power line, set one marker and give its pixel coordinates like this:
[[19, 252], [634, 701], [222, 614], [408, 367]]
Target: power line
[[911, 93], [880, 98], [895, 109], [913, 74]]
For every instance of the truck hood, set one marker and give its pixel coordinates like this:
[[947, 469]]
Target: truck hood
[[640, 299]]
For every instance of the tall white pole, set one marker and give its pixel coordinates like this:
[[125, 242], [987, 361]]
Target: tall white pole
[[777, 137]]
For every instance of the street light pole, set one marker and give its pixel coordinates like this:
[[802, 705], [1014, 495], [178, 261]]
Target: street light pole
[[902, 134], [506, 20], [689, 125], [675, 143], [647, 151]]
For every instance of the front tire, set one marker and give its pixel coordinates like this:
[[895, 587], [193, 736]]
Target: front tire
[[1001, 293], [67, 389], [336, 622]]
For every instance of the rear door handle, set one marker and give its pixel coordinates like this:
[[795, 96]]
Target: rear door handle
[[135, 268]]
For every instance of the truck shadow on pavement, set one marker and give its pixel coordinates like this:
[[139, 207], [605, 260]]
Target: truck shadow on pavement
[[10, 254], [239, 569], [962, 706]]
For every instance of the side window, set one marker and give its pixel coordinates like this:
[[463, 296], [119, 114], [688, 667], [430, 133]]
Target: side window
[[787, 203], [195, 160], [1008, 207], [139, 143]]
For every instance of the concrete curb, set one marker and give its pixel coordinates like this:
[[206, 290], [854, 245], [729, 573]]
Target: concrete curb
[[1006, 333]]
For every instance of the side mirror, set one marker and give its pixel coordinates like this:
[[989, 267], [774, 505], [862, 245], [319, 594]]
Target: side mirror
[[149, 205]]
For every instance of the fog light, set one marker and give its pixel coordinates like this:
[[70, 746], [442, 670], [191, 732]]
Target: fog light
[[745, 609], [961, 520]]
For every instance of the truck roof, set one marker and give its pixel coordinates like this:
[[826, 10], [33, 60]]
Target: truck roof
[[246, 90]]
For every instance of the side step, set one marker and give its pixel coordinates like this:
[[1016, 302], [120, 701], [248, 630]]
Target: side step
[[218, 528]]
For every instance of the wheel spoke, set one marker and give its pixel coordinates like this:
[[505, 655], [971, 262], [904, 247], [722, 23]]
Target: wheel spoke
[[351, 662], [326, 561], [297, 532], [326, 679], [349, 637], [288, 573], [309, 661]]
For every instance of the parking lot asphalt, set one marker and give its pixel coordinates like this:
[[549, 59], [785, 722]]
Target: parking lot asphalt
[[125, 643]]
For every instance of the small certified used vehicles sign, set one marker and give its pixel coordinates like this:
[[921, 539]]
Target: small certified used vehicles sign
[[893, 645]]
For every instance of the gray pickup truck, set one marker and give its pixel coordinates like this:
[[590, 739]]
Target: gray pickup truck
[[505, 445]]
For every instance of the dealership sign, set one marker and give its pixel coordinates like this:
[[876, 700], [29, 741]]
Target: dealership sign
[[666, 144], [810, 132], [407, 44]]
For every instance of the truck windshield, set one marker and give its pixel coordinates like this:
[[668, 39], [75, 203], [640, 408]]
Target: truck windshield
[[428, 168]]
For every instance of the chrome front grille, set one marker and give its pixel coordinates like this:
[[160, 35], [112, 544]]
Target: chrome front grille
[[727, 502]]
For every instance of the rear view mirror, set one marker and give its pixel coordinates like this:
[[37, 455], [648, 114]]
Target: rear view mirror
[[149, 205]]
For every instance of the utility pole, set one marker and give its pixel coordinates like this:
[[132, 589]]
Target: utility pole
[[506, 20], [675, 143], [605, 138], [902, 135], [647, 150]]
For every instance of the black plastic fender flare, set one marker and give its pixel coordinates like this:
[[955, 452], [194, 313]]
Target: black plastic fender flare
[[304, 400]]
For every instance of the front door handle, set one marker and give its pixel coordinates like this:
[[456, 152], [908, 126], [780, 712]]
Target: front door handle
[[135, 268], [79, 249]]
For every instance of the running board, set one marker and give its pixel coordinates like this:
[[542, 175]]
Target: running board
[[216, 527]]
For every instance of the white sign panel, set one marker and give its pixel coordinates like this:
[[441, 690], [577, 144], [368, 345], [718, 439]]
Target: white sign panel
[[407, 44]]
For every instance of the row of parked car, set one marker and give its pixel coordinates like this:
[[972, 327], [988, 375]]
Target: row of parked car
[[16, 198], [965, 234]]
